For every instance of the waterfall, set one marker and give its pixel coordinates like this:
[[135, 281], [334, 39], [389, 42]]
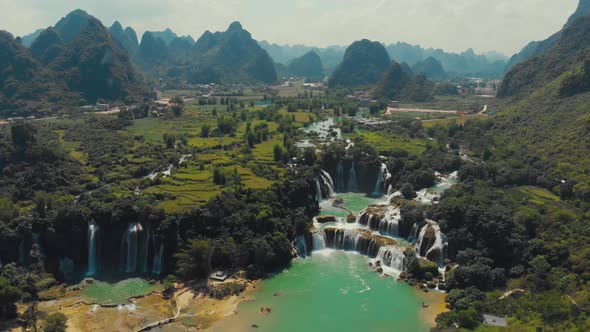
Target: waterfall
[[328, 183], [340, 177], [385, 222], [301, 246], [130, 241], [146, 247], [22, 252], [393, 257], [390, 190], [350, 240], [432, 195], [324, 186], [157, 268], [389, 225], [381, 178], [353, 185], [92, 248], [319, 240], [435, 252], [318, 191], [414, 233]]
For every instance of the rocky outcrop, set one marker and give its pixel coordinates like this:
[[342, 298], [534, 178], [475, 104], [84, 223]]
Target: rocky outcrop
[[427, 240], [325, 219]]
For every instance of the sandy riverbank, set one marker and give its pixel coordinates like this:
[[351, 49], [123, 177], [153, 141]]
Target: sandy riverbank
[[190, 310], [436, 305]]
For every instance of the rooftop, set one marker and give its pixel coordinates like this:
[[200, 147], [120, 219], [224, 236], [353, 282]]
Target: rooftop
[[492, 320], [219, 276]]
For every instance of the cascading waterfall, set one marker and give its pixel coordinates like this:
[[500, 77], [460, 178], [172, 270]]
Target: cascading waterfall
[[328, 183], [383, 176], [319, 240], [318, 191], [393, 257], [430, 196], [353, 185], [324, 186], [386, 223], [92, 248], [340, 177], [349, 240], [130, 241], [437, 251], [301, 246], [146, 247], [157, 268], [389, 225], [414, 233]]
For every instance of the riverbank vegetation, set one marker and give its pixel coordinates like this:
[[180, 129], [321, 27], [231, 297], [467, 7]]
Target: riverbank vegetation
[[518, 235]]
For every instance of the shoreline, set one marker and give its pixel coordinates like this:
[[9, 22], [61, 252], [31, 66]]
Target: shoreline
[[436, 305], [190, 307]]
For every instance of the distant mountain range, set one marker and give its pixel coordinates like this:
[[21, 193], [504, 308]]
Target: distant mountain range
[[232, 56], [60, 58], [73, 63], [468, 63]]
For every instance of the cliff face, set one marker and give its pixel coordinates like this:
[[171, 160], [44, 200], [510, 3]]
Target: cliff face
[[232, 56]]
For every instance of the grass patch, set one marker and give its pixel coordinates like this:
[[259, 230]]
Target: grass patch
[[384, 142], [264, 151], [446, 122], [301, 117]]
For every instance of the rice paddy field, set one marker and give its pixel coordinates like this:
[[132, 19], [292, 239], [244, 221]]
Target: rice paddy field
[[191, 184]]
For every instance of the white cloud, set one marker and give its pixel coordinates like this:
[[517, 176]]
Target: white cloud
[[504, 25]]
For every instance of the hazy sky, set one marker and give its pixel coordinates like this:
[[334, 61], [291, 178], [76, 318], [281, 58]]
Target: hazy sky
[[455, 25]]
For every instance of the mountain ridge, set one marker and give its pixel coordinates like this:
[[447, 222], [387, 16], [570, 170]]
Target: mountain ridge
[[363, 64]]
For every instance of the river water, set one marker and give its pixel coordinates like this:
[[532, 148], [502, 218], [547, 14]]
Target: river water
[[330, 291]]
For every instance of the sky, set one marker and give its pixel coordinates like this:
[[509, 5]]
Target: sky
[[454, 25]]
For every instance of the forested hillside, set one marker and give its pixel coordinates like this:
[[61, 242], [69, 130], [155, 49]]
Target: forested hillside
[[75, 63], [545, 115]]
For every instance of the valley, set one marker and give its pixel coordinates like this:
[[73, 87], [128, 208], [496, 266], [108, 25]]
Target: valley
[[223, 183]]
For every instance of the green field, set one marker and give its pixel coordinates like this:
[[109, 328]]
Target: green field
[[387, 142], [192, 185]]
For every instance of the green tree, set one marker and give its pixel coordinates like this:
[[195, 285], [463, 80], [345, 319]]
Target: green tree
[[205, 130], [219, 176], [56, 322], [194, 262], [8, 296], [278, 153], [407, 191], [169, 140], [309, 156], [23, 136], [540, 272]]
